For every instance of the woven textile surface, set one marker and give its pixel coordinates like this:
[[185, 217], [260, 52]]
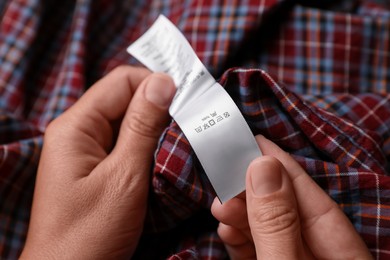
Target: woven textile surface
[[313, 79]]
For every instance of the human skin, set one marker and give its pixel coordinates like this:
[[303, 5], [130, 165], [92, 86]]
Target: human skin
[[91, 189], [284, 214]]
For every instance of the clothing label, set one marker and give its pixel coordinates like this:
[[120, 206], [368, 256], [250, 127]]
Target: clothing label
[[206, 114]]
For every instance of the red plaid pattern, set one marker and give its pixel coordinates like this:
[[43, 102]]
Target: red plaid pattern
[[329, 108]]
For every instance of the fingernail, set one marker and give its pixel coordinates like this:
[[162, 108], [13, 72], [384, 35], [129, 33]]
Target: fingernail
[[159, 90], [265, 176]]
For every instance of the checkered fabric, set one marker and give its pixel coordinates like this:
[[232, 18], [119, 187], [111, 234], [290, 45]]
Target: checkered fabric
[[313, 79]]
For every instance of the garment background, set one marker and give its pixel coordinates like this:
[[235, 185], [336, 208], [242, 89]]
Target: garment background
[[313, 79]]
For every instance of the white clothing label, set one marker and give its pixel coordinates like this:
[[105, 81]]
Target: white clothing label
[[206, 114]]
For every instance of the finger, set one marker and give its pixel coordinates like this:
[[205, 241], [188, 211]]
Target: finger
[[84, 132], [122, 177], [237, 244], [272, 211], [326, 229], [232, 213], [129, 162], [104, 103]]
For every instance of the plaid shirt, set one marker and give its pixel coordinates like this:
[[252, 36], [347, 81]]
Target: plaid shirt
[[324, 99]]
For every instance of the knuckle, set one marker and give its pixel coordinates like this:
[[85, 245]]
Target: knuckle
[[51, 128], [121, 70], [55, 128], [273, 218], [143, 125], [124, 181], [119, 178], [62, 128]]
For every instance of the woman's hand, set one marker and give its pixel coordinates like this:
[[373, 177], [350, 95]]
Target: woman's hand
[[284, 214], [92, 184]]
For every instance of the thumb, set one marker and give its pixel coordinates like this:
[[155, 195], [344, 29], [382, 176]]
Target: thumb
[[272, 211], [145, 119], [147, 115]]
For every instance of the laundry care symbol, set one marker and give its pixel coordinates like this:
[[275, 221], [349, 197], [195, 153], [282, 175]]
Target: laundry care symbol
[[211, 120]]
